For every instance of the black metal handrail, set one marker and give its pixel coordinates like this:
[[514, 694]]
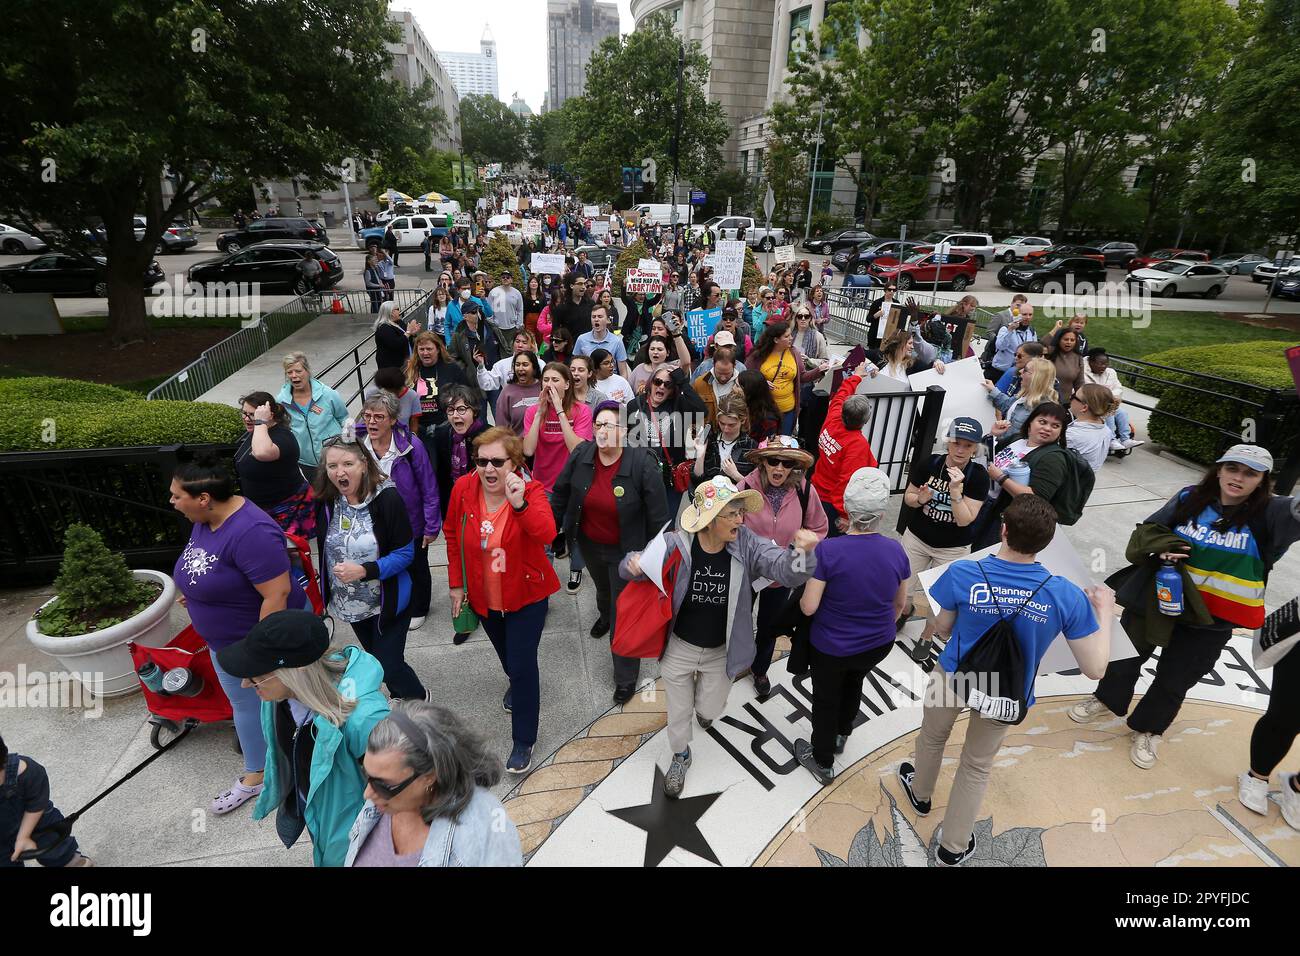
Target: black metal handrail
[[359, 360]]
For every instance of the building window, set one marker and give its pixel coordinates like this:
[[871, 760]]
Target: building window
[[799, 23]]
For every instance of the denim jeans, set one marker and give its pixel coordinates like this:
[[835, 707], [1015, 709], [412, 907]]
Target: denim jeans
[[388, 645], [516, 636], [1120, 427], [247, 707]]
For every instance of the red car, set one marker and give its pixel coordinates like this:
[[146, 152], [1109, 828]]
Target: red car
[[1063, 251], [958, 271], [1160, 255]]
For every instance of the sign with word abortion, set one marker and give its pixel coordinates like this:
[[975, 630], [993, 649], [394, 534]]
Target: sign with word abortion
[[591, 211], [462, 220], [701, 324], [785, 254], [643, 280], [547, 264], [730, 259], [531, 227]]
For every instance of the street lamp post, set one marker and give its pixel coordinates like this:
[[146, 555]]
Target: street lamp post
[[812, 184]]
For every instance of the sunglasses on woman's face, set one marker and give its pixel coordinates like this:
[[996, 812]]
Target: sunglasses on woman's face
[[385, 790], [663, 382], [494, 462], [782, 462]]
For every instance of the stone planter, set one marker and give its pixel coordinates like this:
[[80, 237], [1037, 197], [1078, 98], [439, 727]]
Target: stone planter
[[101, 659]]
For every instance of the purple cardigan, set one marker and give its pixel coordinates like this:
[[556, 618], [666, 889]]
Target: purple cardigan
[[413, 475]]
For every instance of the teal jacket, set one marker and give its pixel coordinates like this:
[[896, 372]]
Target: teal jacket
[[323, 418], [336, 793]]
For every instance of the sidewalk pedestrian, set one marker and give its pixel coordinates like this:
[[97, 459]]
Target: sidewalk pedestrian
[[27, 813]]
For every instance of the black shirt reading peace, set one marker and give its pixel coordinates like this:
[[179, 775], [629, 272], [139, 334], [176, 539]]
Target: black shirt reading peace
[[702, 620], [933, 522]]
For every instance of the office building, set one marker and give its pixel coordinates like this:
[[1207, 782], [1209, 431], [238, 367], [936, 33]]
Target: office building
[[474, 73], [574, 28]]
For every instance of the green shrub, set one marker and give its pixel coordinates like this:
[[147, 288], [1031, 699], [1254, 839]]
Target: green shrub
[[1261, 363], [499, 256], [95, 589], [628, 260], [45, 389], [824, 222], [752, 277]]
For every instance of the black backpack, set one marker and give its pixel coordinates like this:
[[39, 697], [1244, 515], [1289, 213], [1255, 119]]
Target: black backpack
[[1075, 490], [993, 664]]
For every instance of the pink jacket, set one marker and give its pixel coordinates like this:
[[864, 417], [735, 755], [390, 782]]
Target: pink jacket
[[782, 526], [544, 325]]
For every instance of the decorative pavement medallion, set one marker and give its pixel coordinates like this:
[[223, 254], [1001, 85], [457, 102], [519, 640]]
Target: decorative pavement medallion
[[1060, 794]]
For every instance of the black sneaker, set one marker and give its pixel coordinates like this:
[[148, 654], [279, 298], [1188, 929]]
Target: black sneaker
[[459, 639], [600, 628], [762, 686], [921, 651], [945, 858], [623, 693], [704, 724], [521, 759], [575, 582], [803, 752], [905, 773], [840, 741]]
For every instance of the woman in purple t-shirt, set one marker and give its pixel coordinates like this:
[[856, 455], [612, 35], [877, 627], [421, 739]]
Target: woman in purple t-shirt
[[853, 627], [233, 573]]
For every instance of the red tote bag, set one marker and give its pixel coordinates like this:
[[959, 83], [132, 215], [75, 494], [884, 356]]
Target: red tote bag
[[644, 613]]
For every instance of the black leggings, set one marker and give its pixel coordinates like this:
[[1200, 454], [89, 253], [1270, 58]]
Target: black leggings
[[1277, 729]]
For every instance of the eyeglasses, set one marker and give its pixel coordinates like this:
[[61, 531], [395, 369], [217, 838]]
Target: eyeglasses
[[247, 416], [375, 417], [494, 462], [385, 790], [663, 382], [769, 296], [459, 409], [601, 426], [732, 514], [782, 462], [344, 439]]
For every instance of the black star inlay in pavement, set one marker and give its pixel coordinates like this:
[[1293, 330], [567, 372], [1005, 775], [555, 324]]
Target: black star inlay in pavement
[[670, 823]]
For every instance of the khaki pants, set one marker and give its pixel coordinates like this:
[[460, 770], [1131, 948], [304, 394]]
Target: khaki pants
[[983, 740], [696, 681], [922, 557]]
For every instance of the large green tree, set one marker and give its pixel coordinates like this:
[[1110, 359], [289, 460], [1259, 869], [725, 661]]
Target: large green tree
[[490, 132], [98, 99], [629, 112]]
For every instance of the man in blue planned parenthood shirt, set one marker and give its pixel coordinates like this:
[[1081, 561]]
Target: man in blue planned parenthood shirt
[[972, 597]]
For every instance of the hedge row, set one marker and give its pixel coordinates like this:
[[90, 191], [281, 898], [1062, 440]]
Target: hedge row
[[42, 414], [1260, 363]]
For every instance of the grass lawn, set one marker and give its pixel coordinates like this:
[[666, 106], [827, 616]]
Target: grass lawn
[[99, 323], [1170, 330]]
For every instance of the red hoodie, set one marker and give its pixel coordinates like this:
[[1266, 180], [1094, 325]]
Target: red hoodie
[[840, 452]]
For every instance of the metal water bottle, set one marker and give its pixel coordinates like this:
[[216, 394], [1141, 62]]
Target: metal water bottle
[[1169, 589]]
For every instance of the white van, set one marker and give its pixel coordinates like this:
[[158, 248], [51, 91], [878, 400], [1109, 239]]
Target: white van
[[662, 212]]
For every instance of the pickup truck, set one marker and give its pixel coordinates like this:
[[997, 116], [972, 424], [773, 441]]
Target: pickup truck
[[729, 227]]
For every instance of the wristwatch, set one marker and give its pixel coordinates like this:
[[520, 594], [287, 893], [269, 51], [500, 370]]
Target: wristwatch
[[258, 421], [522, 508]]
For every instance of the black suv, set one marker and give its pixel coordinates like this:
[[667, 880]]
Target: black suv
[[260, 230], [270, 264]]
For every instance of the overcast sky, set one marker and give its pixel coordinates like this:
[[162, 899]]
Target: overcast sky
[[519, 27]]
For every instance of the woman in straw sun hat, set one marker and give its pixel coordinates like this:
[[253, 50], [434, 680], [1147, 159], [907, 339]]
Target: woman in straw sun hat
[[711, 638]]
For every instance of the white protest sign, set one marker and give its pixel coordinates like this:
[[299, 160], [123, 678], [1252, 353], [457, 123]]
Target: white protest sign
[[590, 211], [538, 203], [652, 558], [964, 393], [498, 222], [730, 259], [890, 425], [1061, 559], [599, 227], [461, 220], [512, 203], [640, 280], [549, 265], [648, 265], [532, 227], [784, 254]]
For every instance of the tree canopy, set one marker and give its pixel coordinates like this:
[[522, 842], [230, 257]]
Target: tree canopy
[[490, 132]]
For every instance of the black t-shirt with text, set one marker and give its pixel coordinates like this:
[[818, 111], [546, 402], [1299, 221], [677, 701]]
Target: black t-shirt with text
[[702, 620], [934, 522]]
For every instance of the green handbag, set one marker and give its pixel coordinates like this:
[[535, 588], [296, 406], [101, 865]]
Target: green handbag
[[466, 622]]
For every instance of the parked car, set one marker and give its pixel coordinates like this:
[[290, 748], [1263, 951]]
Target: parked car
[[1164, 255], [958, 271], [14, 242], [888, 253], [1077, 274], [1118, 254], [410, 230], [1061, 250], [1239, 263], [1175, 276], [278, 228], [840, 239], [1288, 287], [599, 256], [1267, 271], [270, 264], [60, 273], [1017, 247], [978, 245]]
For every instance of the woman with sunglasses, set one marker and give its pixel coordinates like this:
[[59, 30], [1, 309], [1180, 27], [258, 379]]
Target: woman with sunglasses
[[662, 416], [1088, 434], [266, 461], [789, 502], [559, 347], [803, 280], [503, 521], [609, 500], [427, 798], [814, 389], [318, 705], [711, 636], [368, 553]]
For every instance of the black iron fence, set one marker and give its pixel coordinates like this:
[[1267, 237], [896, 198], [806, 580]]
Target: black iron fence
[[120, 492]]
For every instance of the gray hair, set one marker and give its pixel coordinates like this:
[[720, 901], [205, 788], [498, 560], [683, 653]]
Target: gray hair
[[856, 411], [385, 316], [385, 400], [296, 358], [432, 739]]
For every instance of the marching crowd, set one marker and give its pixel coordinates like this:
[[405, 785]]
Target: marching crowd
[[521, 420]]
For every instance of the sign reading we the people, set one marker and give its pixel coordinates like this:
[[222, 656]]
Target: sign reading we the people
[[701, 324]]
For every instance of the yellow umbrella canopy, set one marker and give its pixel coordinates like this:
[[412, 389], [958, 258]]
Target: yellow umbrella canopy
[[431, 197], [394, 195]]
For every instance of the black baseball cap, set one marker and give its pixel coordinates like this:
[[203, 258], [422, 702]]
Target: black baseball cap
[[287, 638]]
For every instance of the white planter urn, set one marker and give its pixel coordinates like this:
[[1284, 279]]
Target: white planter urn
[[101, 659]]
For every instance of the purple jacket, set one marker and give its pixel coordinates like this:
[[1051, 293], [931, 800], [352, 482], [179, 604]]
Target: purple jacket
[[413, 475]]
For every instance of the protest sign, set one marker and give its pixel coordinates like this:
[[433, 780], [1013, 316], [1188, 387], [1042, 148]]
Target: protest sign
[[512, 203], [700, 324], [538, 204], [648, 265], [963, 385], [730, 267], [532, 227], [784, 254], [599, 227], [461, 220], [547, 264], [591, 211], [641, 280], [889, 428]]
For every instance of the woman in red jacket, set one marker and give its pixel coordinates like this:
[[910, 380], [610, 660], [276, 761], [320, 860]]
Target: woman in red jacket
[[502, 519], [843, 449]]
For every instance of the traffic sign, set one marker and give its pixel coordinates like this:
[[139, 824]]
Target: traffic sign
[[769, 202], [698, 196]]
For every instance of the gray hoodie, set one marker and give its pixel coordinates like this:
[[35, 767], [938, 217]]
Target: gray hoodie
[[1090, 440]]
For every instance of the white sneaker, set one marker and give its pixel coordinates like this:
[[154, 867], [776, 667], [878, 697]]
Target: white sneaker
[[1116, 445], [1086, 711], [416, 623], [1145, 752], [1289, 801], [1133, 442], [1253, 793]]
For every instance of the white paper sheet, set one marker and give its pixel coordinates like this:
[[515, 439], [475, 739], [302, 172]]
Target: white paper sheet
[[652, 558], [964, 393], [1060, 558]]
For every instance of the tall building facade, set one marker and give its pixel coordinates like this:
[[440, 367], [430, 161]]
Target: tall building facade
[[474, 73], [414, 61], [574, 28]]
